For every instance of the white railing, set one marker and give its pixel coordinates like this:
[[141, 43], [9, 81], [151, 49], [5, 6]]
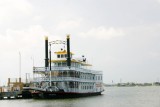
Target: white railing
[[79, 90], [58, 79], [40, 69], [73, 90], [55, 68]]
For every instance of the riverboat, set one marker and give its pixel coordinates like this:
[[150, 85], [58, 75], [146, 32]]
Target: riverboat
[[65, 76]]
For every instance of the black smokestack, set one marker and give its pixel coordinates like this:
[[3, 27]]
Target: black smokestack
[[68, 51], [46, 51]]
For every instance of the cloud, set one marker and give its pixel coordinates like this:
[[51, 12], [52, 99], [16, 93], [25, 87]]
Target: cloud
[[29, 41], [154, 55], [158, 1], [103, 33], [69, 24], [11, 9], [38, 18], [22, 39]]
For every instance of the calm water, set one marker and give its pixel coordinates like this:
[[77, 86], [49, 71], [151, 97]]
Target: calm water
[[112, 97]]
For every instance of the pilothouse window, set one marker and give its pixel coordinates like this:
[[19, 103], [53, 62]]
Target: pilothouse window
[[65, 55], [62, 56], [58, 56]]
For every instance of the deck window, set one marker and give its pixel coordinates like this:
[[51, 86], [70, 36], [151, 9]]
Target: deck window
[[59, 64], [64, 64]]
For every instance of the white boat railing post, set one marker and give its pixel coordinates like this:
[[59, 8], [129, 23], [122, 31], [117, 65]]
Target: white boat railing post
[[50, 79], [50, 66]]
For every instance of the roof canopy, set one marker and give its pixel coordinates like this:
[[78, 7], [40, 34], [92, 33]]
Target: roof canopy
[[62, 52]]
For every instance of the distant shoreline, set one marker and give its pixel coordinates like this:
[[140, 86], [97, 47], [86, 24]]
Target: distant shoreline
[[131, 84]]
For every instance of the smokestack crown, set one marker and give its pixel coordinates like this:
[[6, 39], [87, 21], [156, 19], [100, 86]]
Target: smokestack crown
[[46, 37], [68, 36]]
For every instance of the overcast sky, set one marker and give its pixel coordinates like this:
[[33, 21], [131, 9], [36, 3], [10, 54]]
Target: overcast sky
[[119, 37]]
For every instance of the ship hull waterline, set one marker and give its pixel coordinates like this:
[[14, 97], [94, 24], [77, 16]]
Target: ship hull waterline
[[61, 95]]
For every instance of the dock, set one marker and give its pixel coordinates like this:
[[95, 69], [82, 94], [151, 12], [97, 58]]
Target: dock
[[10, 95], [14, 90]]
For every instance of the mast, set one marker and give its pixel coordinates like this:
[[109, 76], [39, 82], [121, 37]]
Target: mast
[[19, 65]]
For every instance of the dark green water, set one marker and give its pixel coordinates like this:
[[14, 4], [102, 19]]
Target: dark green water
[[112, 97]]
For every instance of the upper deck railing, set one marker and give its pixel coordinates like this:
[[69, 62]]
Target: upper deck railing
[[60, 79], [65, 68]]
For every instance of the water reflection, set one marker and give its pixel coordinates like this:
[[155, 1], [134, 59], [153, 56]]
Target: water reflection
[[112, 97]]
